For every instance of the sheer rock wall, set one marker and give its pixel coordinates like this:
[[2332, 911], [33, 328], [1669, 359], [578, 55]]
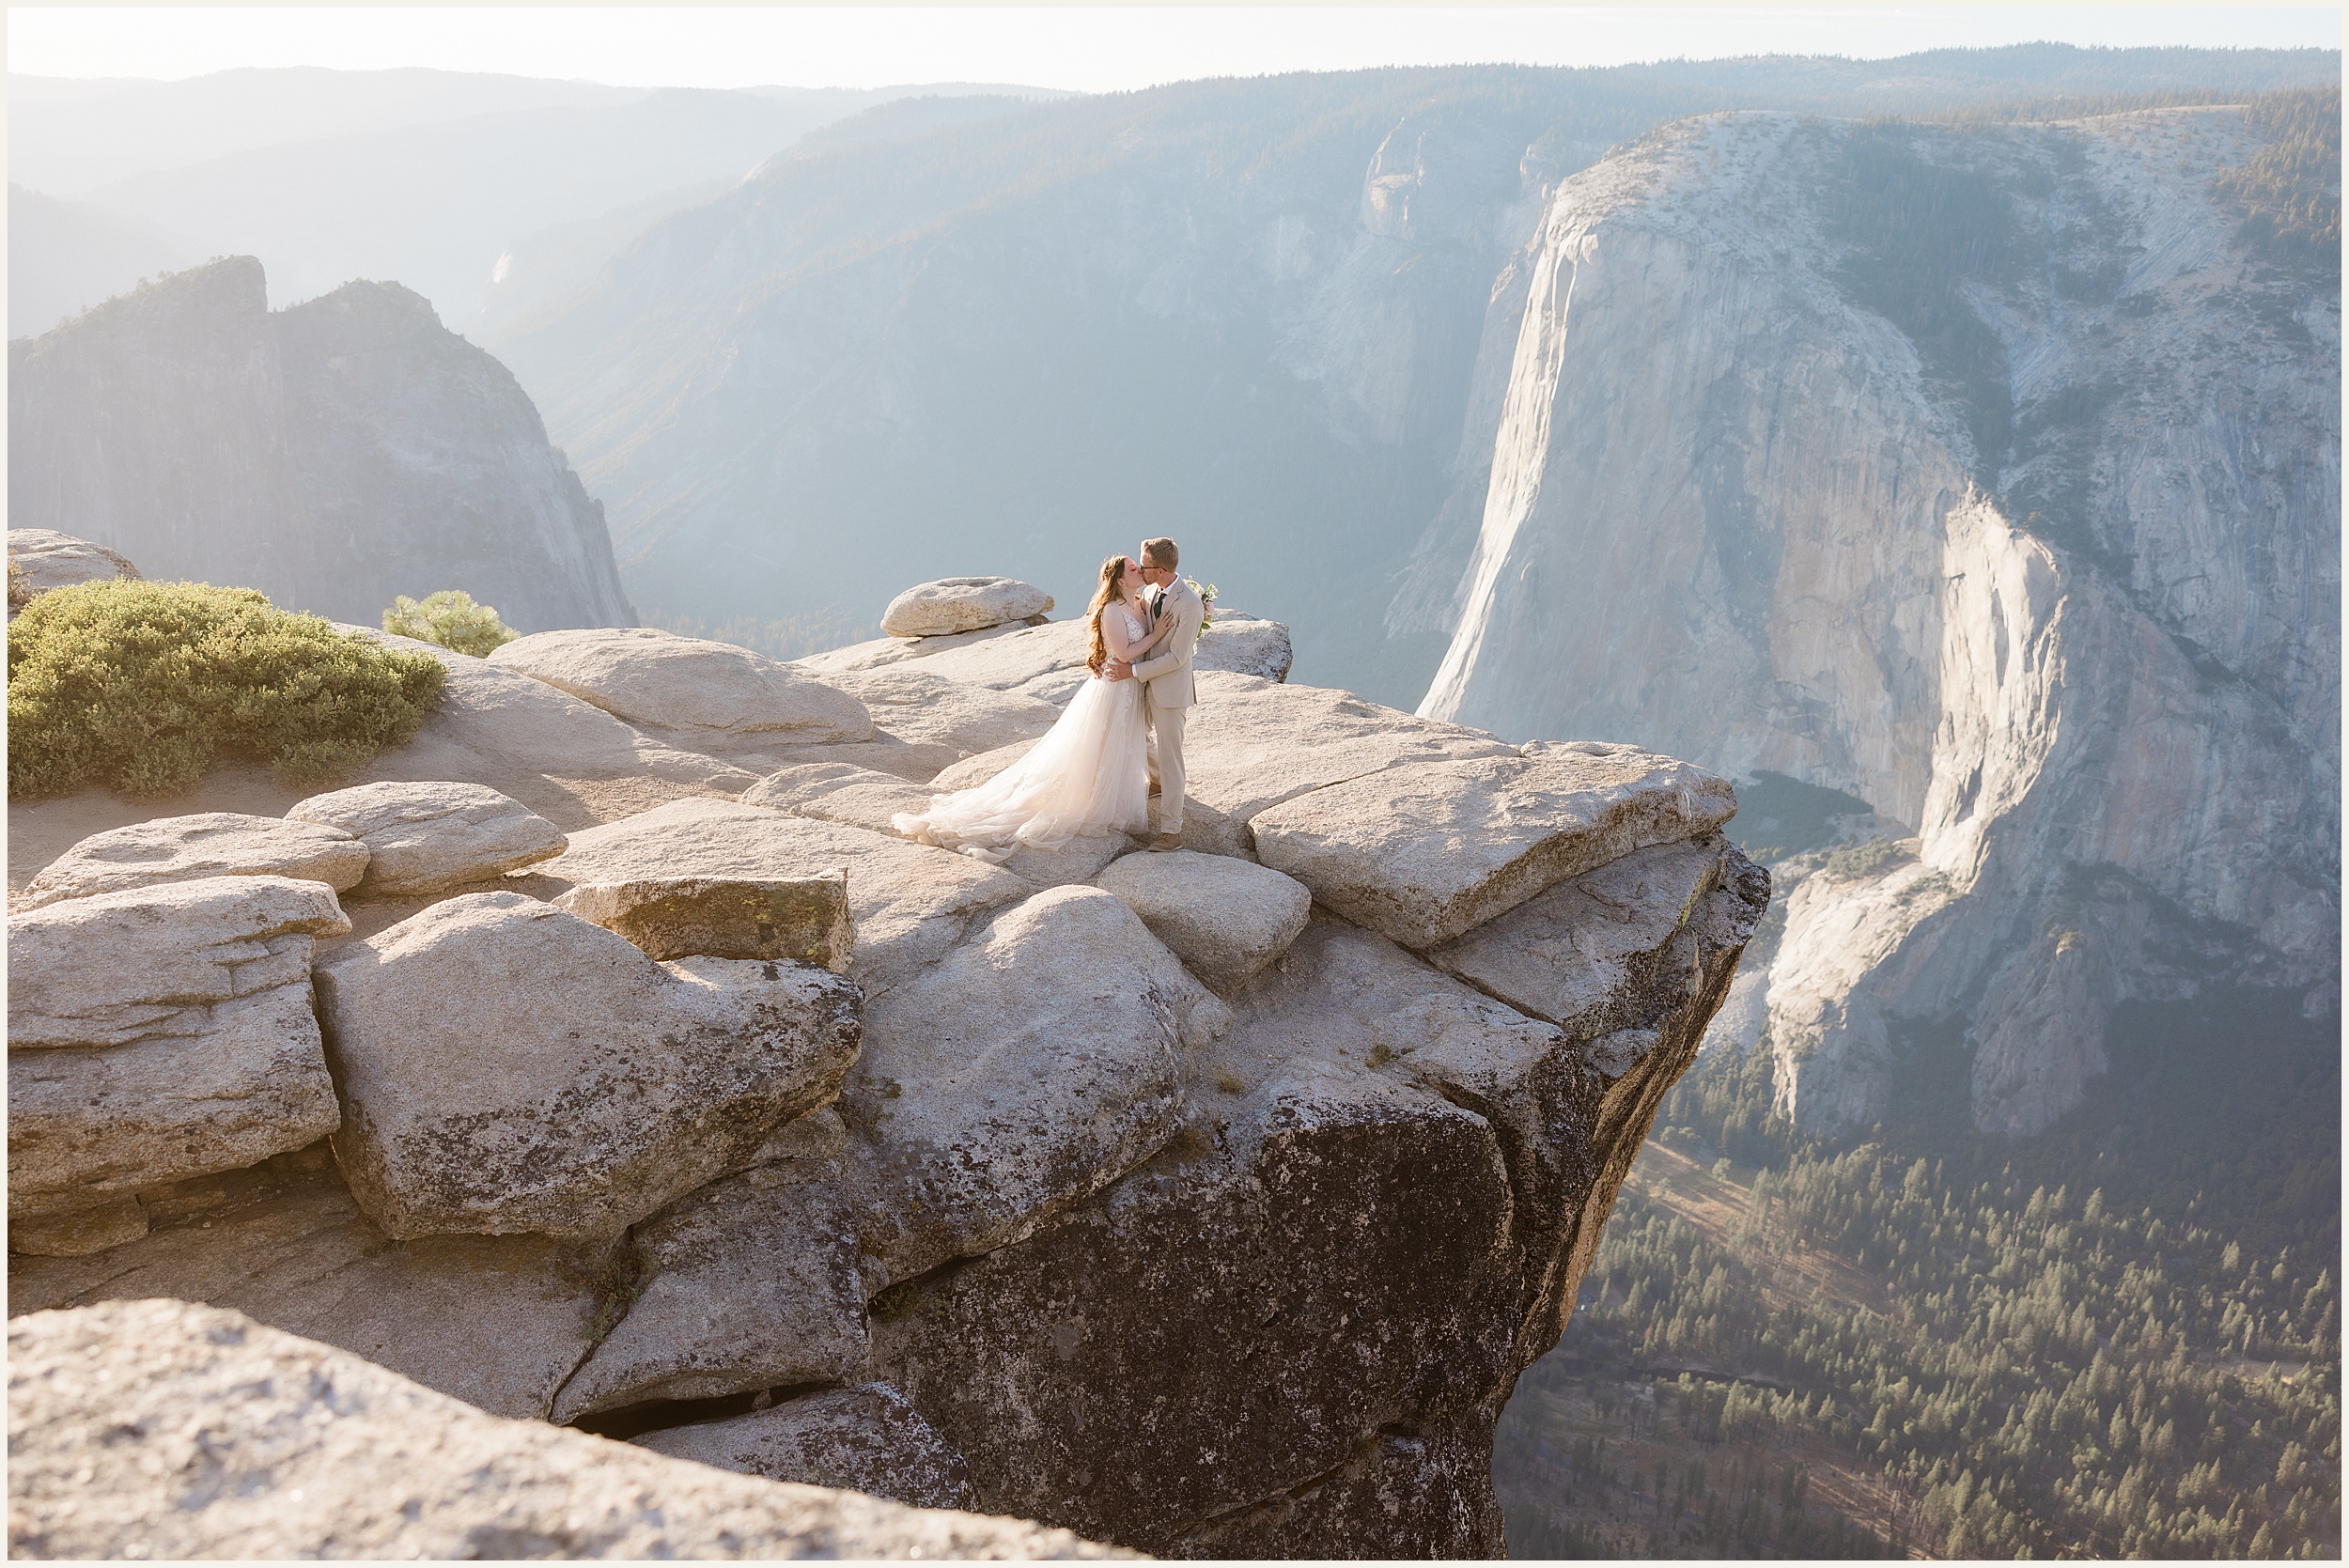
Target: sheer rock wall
[[2033, 545], [332, 453]]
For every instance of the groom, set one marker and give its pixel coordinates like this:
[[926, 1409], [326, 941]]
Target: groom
[[1167, 693]]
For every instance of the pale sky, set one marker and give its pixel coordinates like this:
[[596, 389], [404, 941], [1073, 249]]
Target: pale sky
[[1086, 48]]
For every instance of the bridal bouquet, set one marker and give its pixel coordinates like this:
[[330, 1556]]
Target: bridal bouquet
[[1207, 597]]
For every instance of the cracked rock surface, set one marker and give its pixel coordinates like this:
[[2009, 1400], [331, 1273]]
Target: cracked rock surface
[[1208, 1202], [167, 1430]]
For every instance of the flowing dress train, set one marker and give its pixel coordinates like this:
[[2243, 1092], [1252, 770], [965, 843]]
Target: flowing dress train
[[1089, 774]]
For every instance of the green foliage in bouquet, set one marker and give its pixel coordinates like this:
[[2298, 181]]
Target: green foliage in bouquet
[[141, 685], [1207, 593], [452, 619]]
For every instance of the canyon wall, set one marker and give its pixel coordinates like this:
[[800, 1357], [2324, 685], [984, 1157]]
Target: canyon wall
[[1249, 314], [1990, 475], [331, 455]]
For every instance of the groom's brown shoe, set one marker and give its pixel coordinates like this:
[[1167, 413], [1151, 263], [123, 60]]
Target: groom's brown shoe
[[1165, 842]]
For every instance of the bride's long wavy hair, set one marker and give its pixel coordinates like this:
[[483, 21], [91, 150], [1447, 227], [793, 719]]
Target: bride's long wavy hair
[[1107, 593]]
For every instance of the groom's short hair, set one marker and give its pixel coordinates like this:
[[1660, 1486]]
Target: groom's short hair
[[1160, 554]]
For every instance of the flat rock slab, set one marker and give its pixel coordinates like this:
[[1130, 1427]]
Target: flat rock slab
[[925, 709], [1046, 662], [1020, 1073], [1425, 854], [861, 797], [168, 1430], [839, 792], [1252, 743], [751, 1282], [209, 843], [1225, 919], [954, 604], [434, 836], [40, 559], [879, 653], [498, 1322], [868, 1439], [695, 690], [114, 1223], [162, 1033], [508, 1067], [503, 727], [151, 963], [1567, 954], [804, 919], [910, 901]]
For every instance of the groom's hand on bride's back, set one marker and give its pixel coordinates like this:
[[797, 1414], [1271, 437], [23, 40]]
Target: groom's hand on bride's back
[[1117, 669]]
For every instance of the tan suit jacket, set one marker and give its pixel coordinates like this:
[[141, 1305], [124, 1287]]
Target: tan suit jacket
[[1166, 676]]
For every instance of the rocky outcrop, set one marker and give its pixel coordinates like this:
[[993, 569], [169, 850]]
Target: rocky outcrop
[[1426, 855], [507, 1067], [2012, 511], [1224, 917], [40, 559], [331, 455], [568, 761], [910, 903], [1150, 1195], [868, 1439], [159, 1429], [208, 844], [158, 1034], [958, 604], [752, 1283], [499, 1322], [433, 837], [1046, 663], [804, 919], [707, 694], [942, 719]]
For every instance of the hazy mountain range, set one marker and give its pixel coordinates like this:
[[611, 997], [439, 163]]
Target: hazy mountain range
[[1001, 336], [1242, 313], [417, 176]]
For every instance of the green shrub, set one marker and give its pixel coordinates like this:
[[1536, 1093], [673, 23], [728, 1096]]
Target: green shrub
[[1866, 859], [452, 619], [141, 685]]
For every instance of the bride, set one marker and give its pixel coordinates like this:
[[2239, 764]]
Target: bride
[[1087, 775]]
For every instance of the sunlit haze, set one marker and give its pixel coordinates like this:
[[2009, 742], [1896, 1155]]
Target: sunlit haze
[[1084, 49]]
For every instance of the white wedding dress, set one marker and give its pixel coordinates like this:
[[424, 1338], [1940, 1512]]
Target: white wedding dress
[[1089, 774]]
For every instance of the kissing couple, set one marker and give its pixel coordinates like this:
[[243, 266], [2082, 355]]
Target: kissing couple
[[1121, 732]]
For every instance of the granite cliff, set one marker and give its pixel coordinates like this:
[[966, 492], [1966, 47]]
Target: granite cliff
[[603, 1058], [331, 455], [1247, 314], [1987, 474]]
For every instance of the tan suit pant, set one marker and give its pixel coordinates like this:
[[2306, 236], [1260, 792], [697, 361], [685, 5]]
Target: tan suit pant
[[1166, 761]]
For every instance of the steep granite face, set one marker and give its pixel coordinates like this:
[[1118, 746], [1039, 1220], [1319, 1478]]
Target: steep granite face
[[331, 455], [1988, 475], [1255, 316]]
